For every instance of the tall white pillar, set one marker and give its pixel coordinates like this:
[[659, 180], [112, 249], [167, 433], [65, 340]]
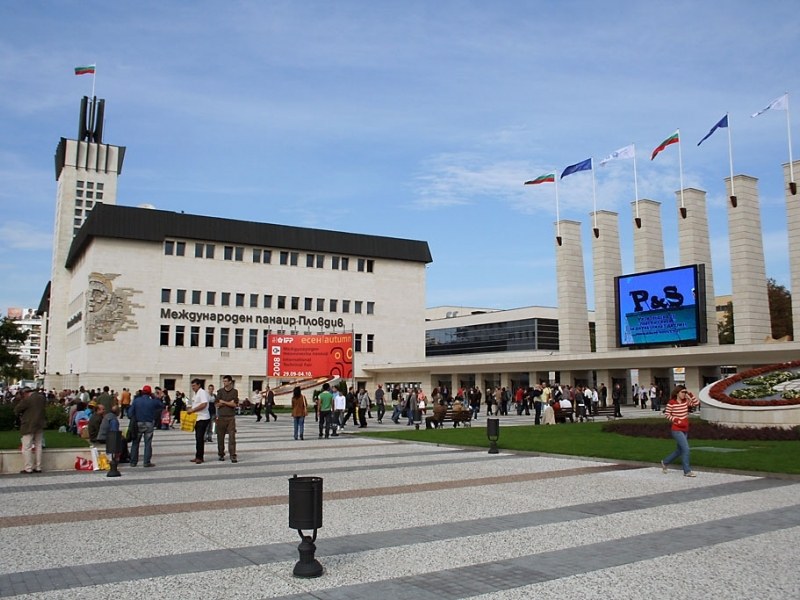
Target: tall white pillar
[[573, 316], [648, 240], [607, 264], [793, 230]]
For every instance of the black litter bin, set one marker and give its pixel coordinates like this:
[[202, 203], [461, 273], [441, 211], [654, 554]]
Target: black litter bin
[[305, 512]]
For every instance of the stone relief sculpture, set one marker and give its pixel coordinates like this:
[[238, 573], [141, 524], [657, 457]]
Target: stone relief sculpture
[[108, 311]]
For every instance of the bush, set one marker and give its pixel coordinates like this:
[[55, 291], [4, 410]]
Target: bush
[[55, 416], [703, 430], [7, 417]]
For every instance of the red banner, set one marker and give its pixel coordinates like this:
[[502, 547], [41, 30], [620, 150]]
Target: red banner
[[310, 356]]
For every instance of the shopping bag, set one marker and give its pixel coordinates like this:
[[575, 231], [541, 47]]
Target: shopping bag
[[187, 421], [165, 417], [83, 464], [95, 459], [103, 462]]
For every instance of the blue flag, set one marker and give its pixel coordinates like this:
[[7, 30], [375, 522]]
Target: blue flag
[[585, 165], [723, 122]]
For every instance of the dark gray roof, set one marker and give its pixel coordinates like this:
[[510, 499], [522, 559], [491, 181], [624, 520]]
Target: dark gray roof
[[149, 225]]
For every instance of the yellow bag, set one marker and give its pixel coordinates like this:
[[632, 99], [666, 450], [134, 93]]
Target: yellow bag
[[102, 462], [187, 421]]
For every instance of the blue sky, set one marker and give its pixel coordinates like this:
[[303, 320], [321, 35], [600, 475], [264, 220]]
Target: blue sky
[[413, 119]]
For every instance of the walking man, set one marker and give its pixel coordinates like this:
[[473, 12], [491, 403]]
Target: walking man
[[227, 403], [380, 402], [144, 411], [616, 398], [32, 423], [325, 409]]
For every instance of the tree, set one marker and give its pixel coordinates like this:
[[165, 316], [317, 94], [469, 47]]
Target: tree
[[725, 326], [10, 339], [780, 309], [780, 313]]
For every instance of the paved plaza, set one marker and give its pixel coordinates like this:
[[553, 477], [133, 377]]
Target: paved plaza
[[401, 520]]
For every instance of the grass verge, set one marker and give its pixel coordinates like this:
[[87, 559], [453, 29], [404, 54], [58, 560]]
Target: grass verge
[[10, 440], [588, 439]]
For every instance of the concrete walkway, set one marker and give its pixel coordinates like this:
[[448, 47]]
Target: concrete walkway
[[401, 520]]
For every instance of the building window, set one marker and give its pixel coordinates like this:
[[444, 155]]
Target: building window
[[194, 337], [281, 302], [89, 185], [78, 212], [90, 194], [295, 303], [335, 263], [265, 339], [320, 261], [307, 304], [239, 254], [256, 255], [224, 335], [169, 247], [309, 260], [180, 248], [165, 335], [198, 250], [370, 342], [209, 337], [370, 265], [78, 202], [267, 300], [240, 300], [254, 339], [293, 258], [79, 184], [284, 258], [195, 296], [345, 263], [77, 222], [238, 338], [79, 193], [266, 257], [100, 186], [210, 250], [253, 300], [99, 196], [165, 295], [226, 299], [370, 308], [332, 305], [320, 304], [180, 296], [211, 298], [357, 307], [227, 253], [362, 264], [357, 342], [179, 333], [345, 306]]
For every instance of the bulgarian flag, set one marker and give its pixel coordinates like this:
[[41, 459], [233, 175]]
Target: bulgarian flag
[[85, 70], [673, 139], [549, 178]]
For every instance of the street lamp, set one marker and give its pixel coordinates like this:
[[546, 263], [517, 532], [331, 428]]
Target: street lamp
[[493, 433], [305, 512]]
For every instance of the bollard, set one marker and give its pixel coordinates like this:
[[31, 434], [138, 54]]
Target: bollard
[[493, 433], [113, 444], [305, 512], [417, 417]]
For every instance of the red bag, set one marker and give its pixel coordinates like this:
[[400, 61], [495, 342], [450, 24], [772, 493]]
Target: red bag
[[165, 420], [83, 464]]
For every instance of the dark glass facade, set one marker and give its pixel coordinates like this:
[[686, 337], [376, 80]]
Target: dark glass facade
[[509, 336]]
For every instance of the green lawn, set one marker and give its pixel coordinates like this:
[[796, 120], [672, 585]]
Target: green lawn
[[588, 439], [10, 440]]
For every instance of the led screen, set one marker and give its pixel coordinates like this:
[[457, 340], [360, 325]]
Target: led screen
[[660, 307]]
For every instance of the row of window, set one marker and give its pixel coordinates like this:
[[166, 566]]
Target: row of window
[[87, 194], [180, 335], [89, 185], [266, 301], [264, 256]]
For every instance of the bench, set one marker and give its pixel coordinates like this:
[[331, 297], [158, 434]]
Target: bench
[[562, 415], [463, 416]]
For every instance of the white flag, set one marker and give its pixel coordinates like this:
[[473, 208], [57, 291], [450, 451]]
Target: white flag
[[626, 152], [781, 103]]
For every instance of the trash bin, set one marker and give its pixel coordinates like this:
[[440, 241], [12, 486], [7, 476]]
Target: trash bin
[[305, 502]]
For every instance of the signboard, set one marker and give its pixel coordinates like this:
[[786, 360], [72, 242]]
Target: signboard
[[310, 356]]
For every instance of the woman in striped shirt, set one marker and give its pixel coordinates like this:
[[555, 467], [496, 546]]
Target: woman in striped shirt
[[677, 411]]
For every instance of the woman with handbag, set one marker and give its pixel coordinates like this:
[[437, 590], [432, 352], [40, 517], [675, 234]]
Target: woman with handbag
[[299, 412]]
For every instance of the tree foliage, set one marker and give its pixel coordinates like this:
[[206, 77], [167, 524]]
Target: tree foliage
[[11, 336], [780, 312]]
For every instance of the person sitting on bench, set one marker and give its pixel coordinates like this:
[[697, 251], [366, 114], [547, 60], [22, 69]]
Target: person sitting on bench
[[437, 417]]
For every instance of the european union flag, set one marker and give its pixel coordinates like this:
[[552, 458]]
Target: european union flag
[[723, 122], [585, 165]]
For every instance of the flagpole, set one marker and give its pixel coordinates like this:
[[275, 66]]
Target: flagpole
[[636, 190], [792, 184], [680, 169], [94, 74], [594, 200], [558, 217], [730, 160]]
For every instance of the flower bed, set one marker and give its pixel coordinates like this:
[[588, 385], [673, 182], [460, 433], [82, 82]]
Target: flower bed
[[758, 386]]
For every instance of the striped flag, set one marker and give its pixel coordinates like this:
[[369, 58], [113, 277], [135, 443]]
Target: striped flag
[[548, 178], [673, 139], [85, 70]]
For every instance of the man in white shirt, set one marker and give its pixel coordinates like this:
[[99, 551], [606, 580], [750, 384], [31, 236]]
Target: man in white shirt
[[339, 401], [200, 402]]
